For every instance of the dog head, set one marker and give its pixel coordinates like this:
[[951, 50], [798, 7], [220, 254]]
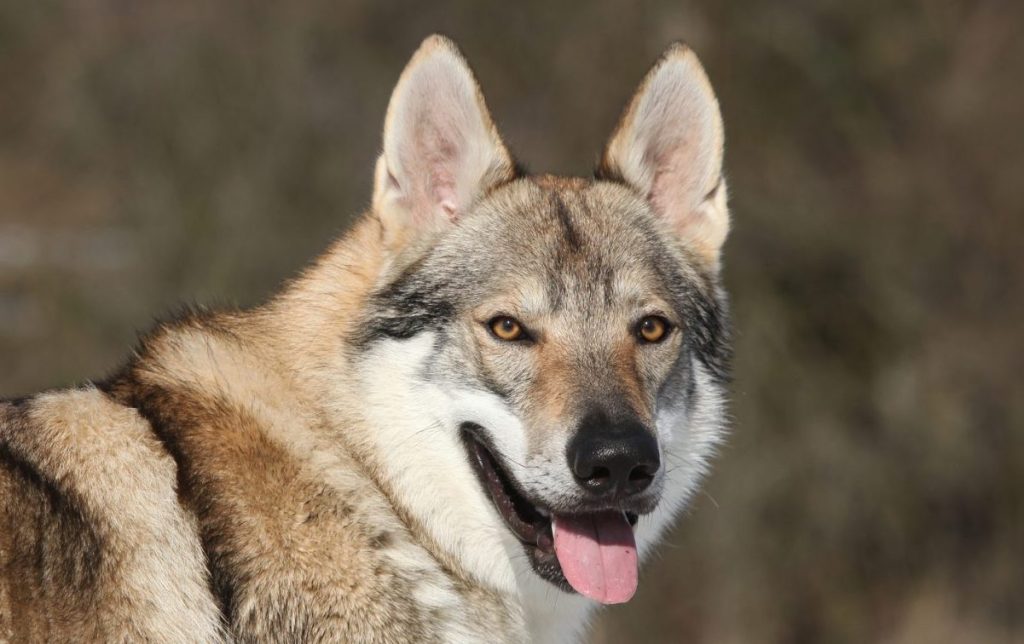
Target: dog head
[[573, 329]]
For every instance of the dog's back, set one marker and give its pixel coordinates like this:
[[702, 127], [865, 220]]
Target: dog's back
[[93, 543]]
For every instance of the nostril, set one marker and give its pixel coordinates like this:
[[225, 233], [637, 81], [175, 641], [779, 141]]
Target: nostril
[[598, 478], [640, 473], [640, 478]]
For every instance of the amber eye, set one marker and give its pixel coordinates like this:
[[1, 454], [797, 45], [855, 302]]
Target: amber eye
[[652, 329], [506, 328]]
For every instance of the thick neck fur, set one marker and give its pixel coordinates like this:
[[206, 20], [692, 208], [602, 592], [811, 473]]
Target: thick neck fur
[[393, 427], [374, 407]]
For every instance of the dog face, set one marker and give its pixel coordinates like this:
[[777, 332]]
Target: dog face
[[576, 324]]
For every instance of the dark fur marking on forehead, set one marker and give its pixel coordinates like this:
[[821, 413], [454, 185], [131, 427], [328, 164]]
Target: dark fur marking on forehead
[[572, 245], [572, 236], [607, 279]]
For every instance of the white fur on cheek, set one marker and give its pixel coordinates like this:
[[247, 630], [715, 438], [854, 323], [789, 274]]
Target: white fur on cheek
[[552, 617], [491, 413], [416, 425], [419, 452]]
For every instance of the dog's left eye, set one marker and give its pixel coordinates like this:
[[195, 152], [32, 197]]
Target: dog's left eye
[[652, 328], [507, 328]]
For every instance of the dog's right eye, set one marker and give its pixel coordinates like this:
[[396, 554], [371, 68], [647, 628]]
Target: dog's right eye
[[653, 329], [507, 328]]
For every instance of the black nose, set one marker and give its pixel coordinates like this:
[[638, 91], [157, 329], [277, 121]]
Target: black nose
[[613, 459]]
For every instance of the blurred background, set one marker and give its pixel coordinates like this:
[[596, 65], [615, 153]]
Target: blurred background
[[873, 486]]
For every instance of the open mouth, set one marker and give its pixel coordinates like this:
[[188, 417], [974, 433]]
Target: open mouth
[[592, 552]]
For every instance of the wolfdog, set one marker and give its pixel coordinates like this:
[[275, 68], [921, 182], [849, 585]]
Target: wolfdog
[[471, 419]]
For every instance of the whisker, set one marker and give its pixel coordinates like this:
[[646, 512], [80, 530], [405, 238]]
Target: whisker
[[433, 425], [505, 457], [713, 501]]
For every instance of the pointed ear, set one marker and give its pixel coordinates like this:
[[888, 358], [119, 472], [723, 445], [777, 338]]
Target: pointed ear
[[441, 149], [668, 145]]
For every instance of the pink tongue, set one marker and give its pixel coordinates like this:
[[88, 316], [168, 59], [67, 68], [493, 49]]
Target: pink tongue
[[598, 555]]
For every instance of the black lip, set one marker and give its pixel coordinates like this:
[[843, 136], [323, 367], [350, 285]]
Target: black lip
[[523, 517]]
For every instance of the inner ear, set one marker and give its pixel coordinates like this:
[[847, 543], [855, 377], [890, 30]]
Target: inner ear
[[441, 148], [669, 145]]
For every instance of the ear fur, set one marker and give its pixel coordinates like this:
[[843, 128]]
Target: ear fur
[[441, 148], [668, 145]]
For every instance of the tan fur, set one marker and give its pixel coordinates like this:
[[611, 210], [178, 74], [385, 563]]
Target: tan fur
[[112, 485], [252, 475], [320, 547]]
